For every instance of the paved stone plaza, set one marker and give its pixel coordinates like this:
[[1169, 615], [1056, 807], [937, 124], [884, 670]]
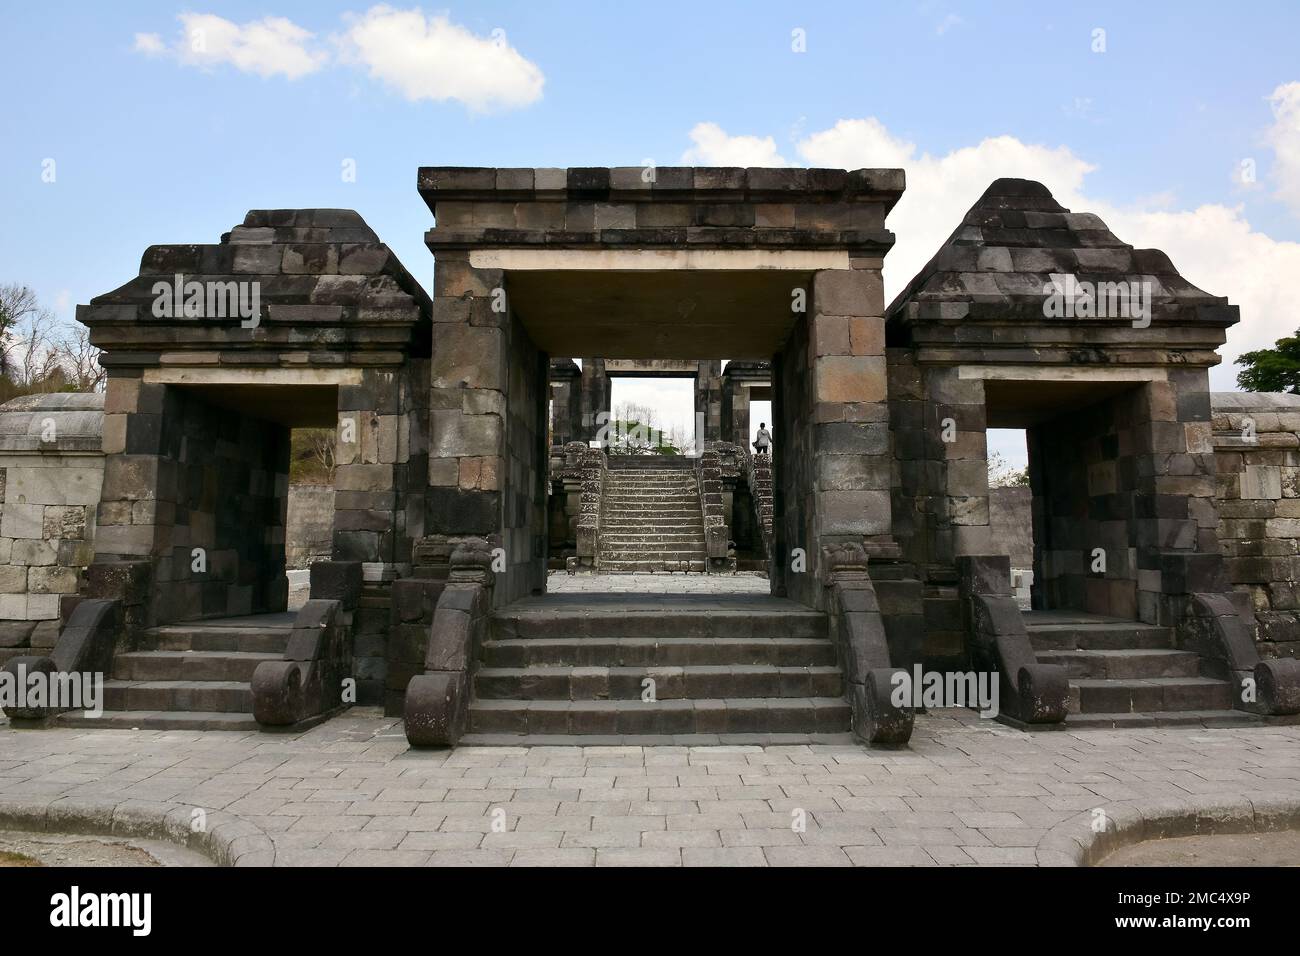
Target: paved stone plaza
[[351, 792]]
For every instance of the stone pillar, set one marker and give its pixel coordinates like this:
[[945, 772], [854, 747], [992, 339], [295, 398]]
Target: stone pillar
[[832, 458], [566, 402], [487, 413], [736, 410], [708, 402], [846, 357], [595, 401], [373, 435]]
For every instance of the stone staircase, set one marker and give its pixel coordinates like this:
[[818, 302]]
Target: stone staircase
[[726, 668], [191, 676], [1129, 674], [651, 518]]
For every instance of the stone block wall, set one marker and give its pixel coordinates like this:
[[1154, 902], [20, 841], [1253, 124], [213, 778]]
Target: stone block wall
[[309, 531], [1257, 456], [51, 471], [1011, 520], [941, 459]]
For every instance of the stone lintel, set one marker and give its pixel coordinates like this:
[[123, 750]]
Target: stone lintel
[[744, 260], [252, 376], [710, 184]]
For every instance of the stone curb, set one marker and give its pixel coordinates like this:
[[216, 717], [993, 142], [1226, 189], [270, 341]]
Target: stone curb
[[1075, 843], [225, 839]]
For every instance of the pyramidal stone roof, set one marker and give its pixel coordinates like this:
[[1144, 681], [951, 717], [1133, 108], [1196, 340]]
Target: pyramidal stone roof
[[1017, 247], [323, 282]]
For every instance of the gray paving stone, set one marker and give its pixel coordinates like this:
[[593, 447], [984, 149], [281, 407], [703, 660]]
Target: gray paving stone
[[964, 793], [637, 856]]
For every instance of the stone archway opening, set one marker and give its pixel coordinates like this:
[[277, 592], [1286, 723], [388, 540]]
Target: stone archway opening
[[1082, 445], [230, 448]]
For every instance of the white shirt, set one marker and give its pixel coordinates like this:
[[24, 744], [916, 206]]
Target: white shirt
[[764, 437]]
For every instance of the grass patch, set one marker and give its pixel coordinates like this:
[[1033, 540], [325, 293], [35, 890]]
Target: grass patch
[[16, 859]]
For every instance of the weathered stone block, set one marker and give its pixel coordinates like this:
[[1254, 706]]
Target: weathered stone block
[[848, 292]]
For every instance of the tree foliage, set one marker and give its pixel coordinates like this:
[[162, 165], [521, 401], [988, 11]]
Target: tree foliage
[[1272, 370], [37, 353]]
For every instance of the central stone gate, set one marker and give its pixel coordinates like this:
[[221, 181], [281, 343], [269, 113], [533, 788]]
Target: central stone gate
[[775, 265], [767, 264]]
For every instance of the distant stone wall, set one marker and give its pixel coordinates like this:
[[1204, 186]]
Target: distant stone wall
[[51, 471], [1257, 452], [310, 528], [1011, 518]]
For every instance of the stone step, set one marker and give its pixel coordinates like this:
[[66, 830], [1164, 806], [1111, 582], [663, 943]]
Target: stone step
[[651, 619], [195, 637], [161, 720], [651, 510], [659, 502], [189, 665], [625, 480], [636, 651], [625, 463], [627, 541], [1117, 635], [652, 522], [651, 566], [684, 532], [1138, 695], [845, 739], [803, 715], [691, 681], [1127, 663], [1176, 718], [179, 695], [667, 554]]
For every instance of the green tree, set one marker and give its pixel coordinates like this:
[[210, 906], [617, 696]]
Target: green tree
[[1272, 370]]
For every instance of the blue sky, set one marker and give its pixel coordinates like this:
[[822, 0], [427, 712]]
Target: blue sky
[[153, 146]]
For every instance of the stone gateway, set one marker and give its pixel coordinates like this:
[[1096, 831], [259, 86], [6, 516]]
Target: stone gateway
[[470, 464]]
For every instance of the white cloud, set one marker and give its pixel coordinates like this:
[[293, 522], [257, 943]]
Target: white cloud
[[713, 147], [420, 58], [150, 44], [947, 23], [1213, 245], [1284, 137], [268, 47], [435, 59]]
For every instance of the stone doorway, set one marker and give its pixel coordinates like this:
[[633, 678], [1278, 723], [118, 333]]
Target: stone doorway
[[1085, 472]]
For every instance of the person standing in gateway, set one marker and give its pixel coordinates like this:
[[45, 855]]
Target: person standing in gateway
[[763, 442]]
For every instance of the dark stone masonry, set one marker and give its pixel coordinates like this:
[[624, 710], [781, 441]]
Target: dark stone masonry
[[148, 537]]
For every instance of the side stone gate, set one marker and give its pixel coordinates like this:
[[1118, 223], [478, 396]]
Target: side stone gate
[[214, 353]]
